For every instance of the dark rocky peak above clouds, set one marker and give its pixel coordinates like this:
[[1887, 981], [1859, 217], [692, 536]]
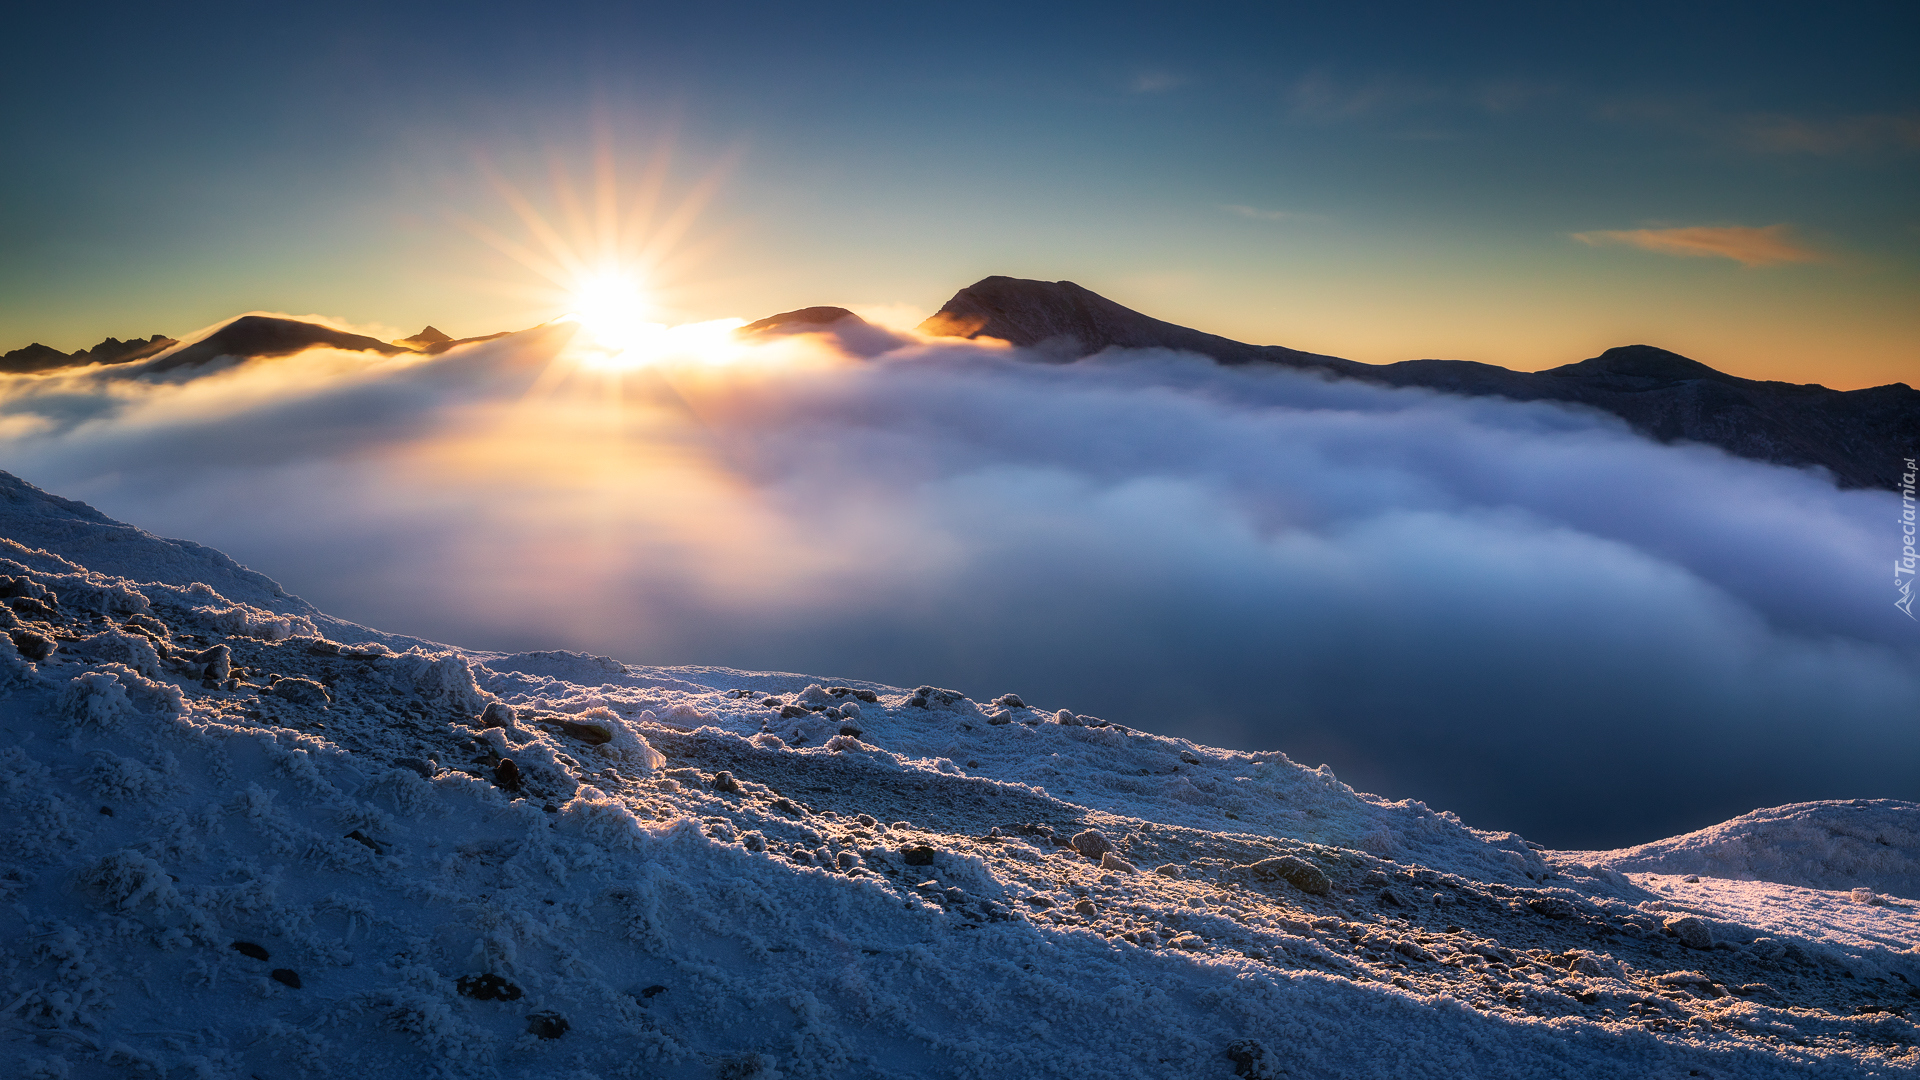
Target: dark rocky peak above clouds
[[852, 333], [1646, 364], [263, 335], [1862, 437], [1065, 322], [38, 357], [801, 320], [423, 339]]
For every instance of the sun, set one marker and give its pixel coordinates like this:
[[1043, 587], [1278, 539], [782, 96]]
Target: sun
[[612, 307]]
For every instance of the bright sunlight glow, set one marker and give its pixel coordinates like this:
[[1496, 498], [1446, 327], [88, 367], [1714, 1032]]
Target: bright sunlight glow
[[610, 306]]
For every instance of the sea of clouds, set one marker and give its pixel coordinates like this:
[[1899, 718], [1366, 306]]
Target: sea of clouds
[[1522, 613]]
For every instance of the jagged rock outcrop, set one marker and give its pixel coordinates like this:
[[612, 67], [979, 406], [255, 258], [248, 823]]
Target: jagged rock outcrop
[[1861, 437]]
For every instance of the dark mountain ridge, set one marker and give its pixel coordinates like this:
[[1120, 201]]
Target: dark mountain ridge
[[264, 335], [1861, 437], [38, 357]]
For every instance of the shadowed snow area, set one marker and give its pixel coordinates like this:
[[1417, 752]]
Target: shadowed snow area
[[238, 839], [1422, 591]]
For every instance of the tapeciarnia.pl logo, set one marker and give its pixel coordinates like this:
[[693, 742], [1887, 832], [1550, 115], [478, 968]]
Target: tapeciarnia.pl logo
[[1904, 564]]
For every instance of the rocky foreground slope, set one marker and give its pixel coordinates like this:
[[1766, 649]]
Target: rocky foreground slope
[[242, 840]]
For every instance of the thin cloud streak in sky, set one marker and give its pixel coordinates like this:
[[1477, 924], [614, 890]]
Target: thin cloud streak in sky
[[1258, 214], [1778, 134], [1515, 611], [1772, 245]]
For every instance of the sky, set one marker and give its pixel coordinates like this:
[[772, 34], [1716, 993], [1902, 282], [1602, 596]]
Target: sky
[[1507, 184]]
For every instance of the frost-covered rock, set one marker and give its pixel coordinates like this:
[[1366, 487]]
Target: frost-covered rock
[[1297, 872], [1694, 933], [1092, 843], [131, 650]]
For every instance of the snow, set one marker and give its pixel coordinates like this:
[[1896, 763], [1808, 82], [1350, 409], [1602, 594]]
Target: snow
[[1870, 843], [895, 882]]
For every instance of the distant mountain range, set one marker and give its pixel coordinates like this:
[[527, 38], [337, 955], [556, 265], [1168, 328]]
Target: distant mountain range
[[38, 357], [1862, 437]]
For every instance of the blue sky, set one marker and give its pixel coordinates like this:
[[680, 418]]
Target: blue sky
[[1735, 182]]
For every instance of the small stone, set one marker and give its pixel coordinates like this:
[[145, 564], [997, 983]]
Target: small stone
[[865, 821], [415, 765], [589, 733], [1011, 701], [788, 712], [1691, 879], [33, 646], [249, 949], [1189, 942], [1087, 908], [801, 856], [1553, 907], [846, 860], [852, 731], [547, 1025], [1091, 843], [285, 977], [753, 840], [362, 838], [1000, 719], [1065, 716], [1389, 898], [1168, 870], [724, 781], [1251, 1060], [106, 811], [917, 855], [1864, 896], [1298, 872], [1110, 861], [507, 774], [955, 896], [488, 987], [1692, 932], [217, 661], [653, 991], [300, 691]]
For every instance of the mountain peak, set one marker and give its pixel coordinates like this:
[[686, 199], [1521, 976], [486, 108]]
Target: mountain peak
[[1066, 321], [800, 319], [423, 339], [1641, 362], [267, 335]]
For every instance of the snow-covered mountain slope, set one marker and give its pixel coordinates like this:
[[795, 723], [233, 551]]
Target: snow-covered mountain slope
[[237, 845], [1870, 843]]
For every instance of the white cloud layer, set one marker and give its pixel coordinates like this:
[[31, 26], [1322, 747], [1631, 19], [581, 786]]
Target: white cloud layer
[[1518, 612]]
